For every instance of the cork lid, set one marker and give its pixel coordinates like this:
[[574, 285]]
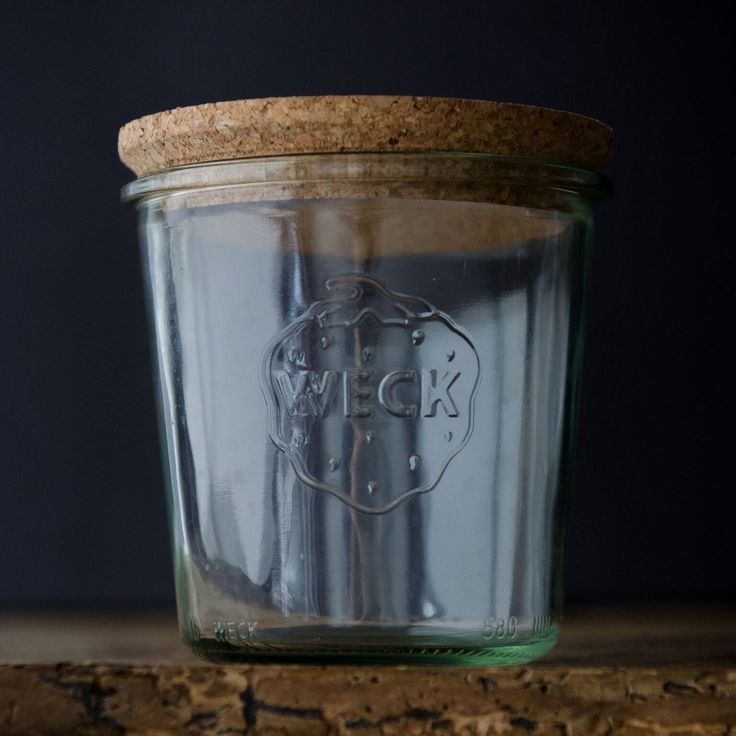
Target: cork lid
[[275, 126]]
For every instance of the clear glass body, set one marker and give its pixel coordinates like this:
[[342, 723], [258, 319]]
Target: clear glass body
[[367, 373]]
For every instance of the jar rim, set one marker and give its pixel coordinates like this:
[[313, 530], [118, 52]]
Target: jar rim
[[394, 167]]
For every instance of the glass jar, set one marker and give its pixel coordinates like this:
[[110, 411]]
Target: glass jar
[[367, 367]]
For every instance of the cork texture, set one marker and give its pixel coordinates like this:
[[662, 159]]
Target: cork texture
[[647, 670], [200, 700], [274, 126]]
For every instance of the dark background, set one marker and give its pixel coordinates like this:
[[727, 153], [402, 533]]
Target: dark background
[[82, 518]]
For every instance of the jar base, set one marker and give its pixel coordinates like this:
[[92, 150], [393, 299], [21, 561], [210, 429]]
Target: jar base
[[357, 650]]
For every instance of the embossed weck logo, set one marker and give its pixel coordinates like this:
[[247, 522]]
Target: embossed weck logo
[[370, 393]]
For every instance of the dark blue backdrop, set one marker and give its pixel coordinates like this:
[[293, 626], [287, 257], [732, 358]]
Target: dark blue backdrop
[[82, 516]]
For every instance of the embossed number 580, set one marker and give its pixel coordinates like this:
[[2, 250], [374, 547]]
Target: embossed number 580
[[499, 627]]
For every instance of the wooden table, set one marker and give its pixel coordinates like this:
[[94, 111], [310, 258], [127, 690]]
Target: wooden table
[[617, 672]]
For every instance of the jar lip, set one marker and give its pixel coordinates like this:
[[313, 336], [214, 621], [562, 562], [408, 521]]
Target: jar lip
[[372, 166]]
